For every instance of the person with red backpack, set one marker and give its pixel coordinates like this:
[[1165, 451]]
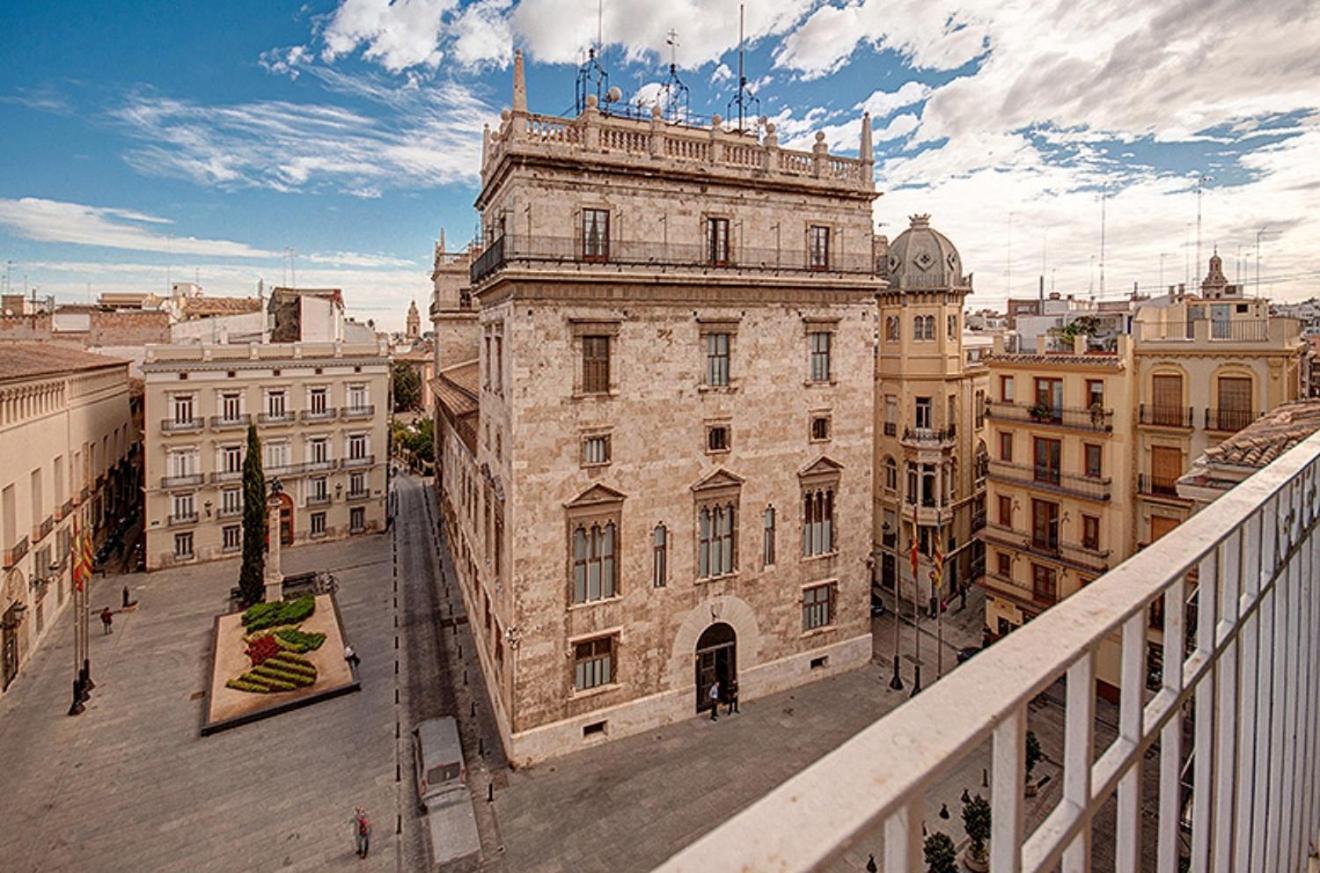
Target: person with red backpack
[[361, 831]]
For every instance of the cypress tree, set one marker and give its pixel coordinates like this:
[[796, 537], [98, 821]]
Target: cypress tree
[[251, 579]]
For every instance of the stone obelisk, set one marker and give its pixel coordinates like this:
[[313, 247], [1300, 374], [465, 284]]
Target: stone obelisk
[[273, 574]]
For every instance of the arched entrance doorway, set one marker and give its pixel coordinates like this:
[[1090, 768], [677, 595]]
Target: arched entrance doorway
[[286, 519], [716, 660]]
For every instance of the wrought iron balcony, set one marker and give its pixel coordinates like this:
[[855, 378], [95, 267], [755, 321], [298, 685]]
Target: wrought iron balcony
[[1050, 479], [1231, 727], [623, 256], [15, 553], [40, 532], [318, 500], [226, 475], [351, 413], [364, 461], [182, 481], [354, 496], [1228, 420], [1157, 486], [929, 437], [182, 425], [285, 417], [226, 422], [184, 518], [327, 414], [227, 512], [1165, 416], [1095, 419]]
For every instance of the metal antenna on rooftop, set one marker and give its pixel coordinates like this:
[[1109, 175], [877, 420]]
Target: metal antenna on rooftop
[[1104, 201], [1200, 183], [591, 74], [744, 99], [676, 101]]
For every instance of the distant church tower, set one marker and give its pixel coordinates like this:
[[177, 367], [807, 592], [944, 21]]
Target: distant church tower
[[414, 322]]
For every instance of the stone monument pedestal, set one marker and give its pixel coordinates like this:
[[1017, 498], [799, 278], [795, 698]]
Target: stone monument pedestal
[[273, 575]]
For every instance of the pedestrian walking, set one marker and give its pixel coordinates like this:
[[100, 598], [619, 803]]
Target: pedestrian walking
[[125, 597], [361, 832], [714, 700], [351, 657], [731, 698], [870, 864], [107, 619]]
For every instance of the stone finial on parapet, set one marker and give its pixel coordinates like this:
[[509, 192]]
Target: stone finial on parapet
[[867, 152], [519, 83]]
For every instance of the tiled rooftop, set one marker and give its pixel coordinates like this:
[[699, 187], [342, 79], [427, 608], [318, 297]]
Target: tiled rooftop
[[28, 360], [1265, 439], [458, 388]]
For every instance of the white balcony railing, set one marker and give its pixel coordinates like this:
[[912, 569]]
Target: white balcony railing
[[1245, 665]]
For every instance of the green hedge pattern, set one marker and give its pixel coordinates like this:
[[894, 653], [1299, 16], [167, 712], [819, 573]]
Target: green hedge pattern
[[268, 615]]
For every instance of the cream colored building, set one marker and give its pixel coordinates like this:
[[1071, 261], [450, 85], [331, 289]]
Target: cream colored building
[[1059, 497], [665, 479], [453, 309], [1087, 446], [68, 443], [929, 405], [322, 414]]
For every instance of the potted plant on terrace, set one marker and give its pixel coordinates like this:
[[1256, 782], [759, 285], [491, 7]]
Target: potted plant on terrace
[[941, 856], [976, 821]]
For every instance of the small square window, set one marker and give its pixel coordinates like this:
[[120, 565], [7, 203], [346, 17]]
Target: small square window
[[718, 438], [595, 450], [820, 428], [231, 538], [1005, 565], [183, 545]]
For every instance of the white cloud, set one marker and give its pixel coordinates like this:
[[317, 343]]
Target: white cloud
[[930, 34], [881, 103], [721, 74], [481, 34], [397, 33], [56, 221], [426, 136]]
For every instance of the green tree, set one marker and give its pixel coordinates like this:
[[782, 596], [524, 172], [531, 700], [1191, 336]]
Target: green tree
[[941, 855], [421, 441], [976, 821], [407, 388], [251, 581]]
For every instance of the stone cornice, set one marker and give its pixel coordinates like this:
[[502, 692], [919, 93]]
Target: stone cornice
[[174, 366], [673, 290]]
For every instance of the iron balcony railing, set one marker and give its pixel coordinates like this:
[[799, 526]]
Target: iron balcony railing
[[15, 553], [1095, 419], [41, 531], [1158, 486], [352, 412], [1228, 420], [226, 475], [230, 511], [1165, 416], [1050, 479], [182, 425], [285, 417], [358, 495], [1223, 754], [183, 518], [327, 414], [891, 429], [318, 499], [364, 461], [929, 436], [227, 422], [621, 255], [182, 481]]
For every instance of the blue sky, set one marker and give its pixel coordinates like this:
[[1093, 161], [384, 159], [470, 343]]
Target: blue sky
[[202, 139]]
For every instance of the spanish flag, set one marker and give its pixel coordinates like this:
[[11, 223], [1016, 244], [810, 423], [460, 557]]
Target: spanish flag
[[914, 550], [937, 571], [82, 556]]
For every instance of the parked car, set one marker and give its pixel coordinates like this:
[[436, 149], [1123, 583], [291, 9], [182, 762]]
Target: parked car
[[438, 756]]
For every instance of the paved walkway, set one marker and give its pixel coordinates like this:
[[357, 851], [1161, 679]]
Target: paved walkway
[[130, 785]]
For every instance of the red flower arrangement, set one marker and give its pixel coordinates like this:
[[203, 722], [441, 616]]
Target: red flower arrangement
[[262, 648]]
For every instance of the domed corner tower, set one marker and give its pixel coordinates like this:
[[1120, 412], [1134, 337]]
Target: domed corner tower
[[929, 417]]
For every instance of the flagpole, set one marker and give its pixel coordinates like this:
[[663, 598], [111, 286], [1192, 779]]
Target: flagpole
[[939, 601], [76, 707], [896, 682], [916, 612]]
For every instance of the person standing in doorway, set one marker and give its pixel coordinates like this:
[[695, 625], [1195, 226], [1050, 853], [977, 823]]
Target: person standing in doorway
[[361, 832], [714, 697], [107, 619], [731, 698]]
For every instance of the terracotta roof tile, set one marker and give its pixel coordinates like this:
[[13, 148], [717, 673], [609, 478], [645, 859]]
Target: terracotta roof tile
[[1265, 439], [457, 389], [28, 360], [1098, 360]]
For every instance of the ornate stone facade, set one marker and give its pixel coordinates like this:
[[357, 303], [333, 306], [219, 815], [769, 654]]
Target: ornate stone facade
[[669, 479]]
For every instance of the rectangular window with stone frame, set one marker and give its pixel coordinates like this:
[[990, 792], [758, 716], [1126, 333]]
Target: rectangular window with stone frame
[[768, 536], [660, 556], [593, 344], [819, 343], [717, 241], [717, 360], [595, 234], [593, 522], [818, 606], [818, 241], [594, 662]]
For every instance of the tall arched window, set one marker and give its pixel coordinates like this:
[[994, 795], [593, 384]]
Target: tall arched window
[[715, 550], [818, 521], [593, 562]]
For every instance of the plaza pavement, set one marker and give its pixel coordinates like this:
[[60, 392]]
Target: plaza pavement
[[131, 786]]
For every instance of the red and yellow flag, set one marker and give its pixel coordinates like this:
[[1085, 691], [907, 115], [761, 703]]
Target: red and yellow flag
[[937, 570], [81, 549]]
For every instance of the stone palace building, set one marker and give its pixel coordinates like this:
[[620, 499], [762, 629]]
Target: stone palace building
[[656, 474]]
